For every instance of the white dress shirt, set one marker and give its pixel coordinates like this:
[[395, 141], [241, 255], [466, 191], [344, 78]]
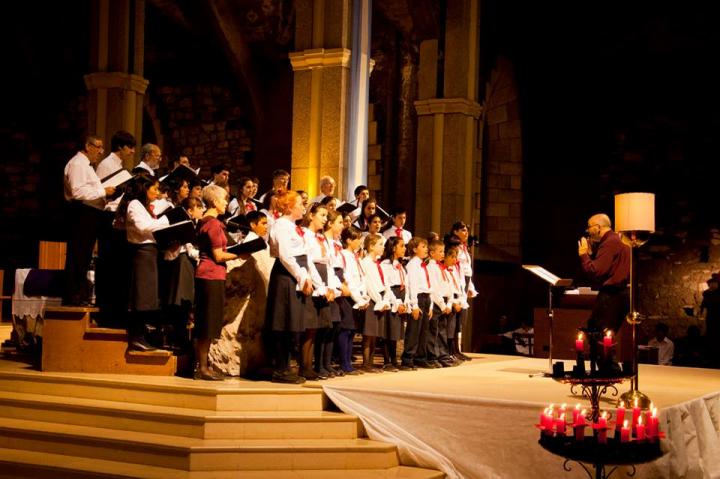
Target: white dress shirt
[[393, 231], [395, 275], [355, 278], [666, 349], [286, 242], [374, 284], [82, 183], [465, 263], [417, 281], [109, 165], [319, 251], [440, 285], [146, 167], [140, 224]]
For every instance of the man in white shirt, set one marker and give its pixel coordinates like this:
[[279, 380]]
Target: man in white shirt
[[666, 348], [361, 194], [280, 181], [122, 146], [327, 188], [150, 159], [86, 198]]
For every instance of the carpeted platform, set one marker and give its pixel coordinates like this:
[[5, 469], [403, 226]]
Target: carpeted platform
[[477, 420]]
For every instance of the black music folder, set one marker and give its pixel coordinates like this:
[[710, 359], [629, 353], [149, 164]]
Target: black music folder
[[178, 233]]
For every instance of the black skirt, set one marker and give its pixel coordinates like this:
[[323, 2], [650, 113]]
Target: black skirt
[[320, 312], [374, 322], [177, 280], [209, 308], [144, 278], [286, 307], [344, 304], [395, 330]]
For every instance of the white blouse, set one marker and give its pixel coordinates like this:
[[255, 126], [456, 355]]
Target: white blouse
[[319, 251], [440, 285], [374, 284], [140, 224], [395, 275], [355, 278], [288, 241], [416, 280]]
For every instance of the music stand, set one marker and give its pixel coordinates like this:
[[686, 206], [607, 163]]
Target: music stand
[[553, 281]]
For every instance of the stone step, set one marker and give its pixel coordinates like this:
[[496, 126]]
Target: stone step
[[229, 395], [17, 464], [192, 454], [186, 422]]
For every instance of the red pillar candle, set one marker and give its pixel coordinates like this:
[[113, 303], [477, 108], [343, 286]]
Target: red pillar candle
[[560, 425], [579, 425], [580, 343], [620, 415], [607, 344], [602, 429], [635, 413], [625, 432], [640, 430], [652, 427], [576, 412]]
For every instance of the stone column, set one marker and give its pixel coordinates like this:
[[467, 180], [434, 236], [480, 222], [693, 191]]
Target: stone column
[[116, 85], [321, 93], [447, 142]]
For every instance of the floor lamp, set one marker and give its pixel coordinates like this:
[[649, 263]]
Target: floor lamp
[[635, 221]]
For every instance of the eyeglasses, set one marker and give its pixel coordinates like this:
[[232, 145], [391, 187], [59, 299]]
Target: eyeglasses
[[99, 147], [592, 226]]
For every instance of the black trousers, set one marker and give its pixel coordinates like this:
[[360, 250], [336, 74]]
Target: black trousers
[[438, 337], [83, 222], [611, 307], [417, 333]]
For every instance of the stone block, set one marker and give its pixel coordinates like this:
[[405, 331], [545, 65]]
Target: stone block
[[374, 152], [516, 182], [507, 168], [510, 129], [498, 209], [497, 115]]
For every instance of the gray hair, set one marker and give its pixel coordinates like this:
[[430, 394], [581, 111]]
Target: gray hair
[[147, 150], [601, 219], [212, 193]]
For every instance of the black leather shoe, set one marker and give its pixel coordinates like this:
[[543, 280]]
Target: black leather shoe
[[424, 365], [464, 357], [140, 345], [406, 367], [287, 377]]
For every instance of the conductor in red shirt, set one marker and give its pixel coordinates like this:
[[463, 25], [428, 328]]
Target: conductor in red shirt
[[606, 260]]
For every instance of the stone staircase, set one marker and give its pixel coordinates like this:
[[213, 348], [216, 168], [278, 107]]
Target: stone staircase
[[61, 425]]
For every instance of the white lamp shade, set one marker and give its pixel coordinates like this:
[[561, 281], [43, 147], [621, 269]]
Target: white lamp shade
[[635, 212]]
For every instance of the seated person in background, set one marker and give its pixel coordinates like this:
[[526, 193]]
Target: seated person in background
[[666, 348], [522, 338]]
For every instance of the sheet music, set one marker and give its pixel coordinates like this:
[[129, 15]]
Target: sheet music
[[117, 179], [547, 275]]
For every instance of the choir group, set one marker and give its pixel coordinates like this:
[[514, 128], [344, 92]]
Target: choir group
[[340, 268]]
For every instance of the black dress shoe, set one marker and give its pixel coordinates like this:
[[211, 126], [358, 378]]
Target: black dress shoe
[[211, 377], [310, 375], [424, 365], [287, 377], [464, 357], [405, 367], [140, 345]]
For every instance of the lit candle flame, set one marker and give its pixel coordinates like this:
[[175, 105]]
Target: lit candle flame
[[640, 421], [636, 401], [625, 423], [604, 415], [583, 412], [622, 404], [608, 334], [654, 412], [563, 406], [577, 406], [580, 336]]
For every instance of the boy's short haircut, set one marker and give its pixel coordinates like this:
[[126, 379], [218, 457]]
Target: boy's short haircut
[[360, 189], [414, 242], [254, 217], [349, 234], [191, 202], [435, 244], [451, 251], [371, 240]]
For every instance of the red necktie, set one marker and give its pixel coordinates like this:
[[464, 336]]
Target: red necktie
[[338, 250], [299, 231], [321, 239], [276, 214], [399, 267], [382, 276], [442, 270], [249, 206], [357, 260], [151, 209], [452, 276], [398, 232], [427, 275]]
